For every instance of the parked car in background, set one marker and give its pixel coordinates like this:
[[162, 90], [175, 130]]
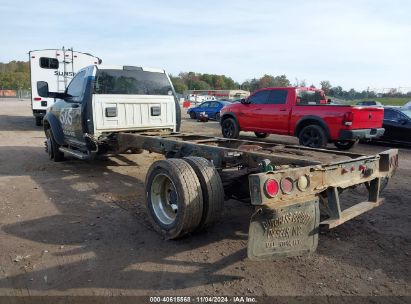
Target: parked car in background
[[369, 103], [211, 109], [304, 113], [397, 125]]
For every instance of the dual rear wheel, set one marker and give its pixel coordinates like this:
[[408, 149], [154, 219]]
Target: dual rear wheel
[[183, 196]]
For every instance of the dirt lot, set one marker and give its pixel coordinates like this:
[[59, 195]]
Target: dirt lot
[[80, 228]]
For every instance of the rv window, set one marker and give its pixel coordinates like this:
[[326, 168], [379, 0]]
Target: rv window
[[136, 82], [49, 63]]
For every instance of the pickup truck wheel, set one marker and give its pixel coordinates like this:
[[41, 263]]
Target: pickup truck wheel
[[52, 147], [192, 115], [261, 135], [313, 136], [174, 198], [38, 121], [212, 190], [230, 128], [346, 144]]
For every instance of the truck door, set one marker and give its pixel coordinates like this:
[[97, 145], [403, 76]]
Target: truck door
[[71, 109], [249, 115], [274, 114]]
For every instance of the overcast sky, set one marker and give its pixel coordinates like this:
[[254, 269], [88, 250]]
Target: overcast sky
[[352, 43]]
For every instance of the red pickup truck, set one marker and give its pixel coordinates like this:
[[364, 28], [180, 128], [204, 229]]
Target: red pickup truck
[[304, 113]]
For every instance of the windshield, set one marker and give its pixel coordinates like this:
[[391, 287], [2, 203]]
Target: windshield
[[305, 97], [134, 81], [407, 112]]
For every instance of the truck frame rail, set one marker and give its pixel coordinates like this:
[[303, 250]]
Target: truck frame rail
[[294, 189]]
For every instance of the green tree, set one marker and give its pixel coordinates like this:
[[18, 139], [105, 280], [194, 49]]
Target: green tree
[[200, 85], [325, 86], [281, 81]]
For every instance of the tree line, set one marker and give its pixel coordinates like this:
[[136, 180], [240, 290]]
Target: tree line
[[15, 75]]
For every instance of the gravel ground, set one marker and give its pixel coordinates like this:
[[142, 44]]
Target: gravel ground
[[80, 228]]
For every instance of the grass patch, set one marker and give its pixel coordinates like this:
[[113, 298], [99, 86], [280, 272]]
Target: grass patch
[[392, 101]]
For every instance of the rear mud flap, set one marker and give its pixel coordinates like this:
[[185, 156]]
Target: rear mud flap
[[284, 231]]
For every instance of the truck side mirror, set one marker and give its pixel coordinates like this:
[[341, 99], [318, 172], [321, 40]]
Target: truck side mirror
[[43, 88], [244, 101], [329, 100]]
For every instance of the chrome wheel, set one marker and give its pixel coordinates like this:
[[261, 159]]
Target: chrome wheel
[[164, 199]]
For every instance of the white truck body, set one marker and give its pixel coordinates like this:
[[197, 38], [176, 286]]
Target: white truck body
[[133, 112], [57, 67]]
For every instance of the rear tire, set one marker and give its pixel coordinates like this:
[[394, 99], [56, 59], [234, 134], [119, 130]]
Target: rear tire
[[346, 144], [261, 135], [217, 117], [174, 198], [230, 128], [212, 190], [52, 147], [313, 136]]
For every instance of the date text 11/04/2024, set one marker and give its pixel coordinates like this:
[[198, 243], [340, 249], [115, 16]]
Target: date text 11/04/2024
[[204, 299]]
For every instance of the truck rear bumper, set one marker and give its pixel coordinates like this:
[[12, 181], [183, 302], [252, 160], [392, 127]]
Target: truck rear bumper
[[361, 134]]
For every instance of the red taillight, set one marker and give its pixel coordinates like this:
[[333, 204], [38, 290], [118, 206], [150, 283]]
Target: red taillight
[[287, 185], [37, 98], [271, 187], [348, 118]]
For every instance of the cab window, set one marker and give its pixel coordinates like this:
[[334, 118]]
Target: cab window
[[305, 97], [75, 88], [260, 97], [277, 97], [204, 105]]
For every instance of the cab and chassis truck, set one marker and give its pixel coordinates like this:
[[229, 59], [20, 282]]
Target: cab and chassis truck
[[293, 189]]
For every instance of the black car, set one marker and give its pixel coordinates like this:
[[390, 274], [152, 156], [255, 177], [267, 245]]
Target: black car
[[369, 103], [397, 125]]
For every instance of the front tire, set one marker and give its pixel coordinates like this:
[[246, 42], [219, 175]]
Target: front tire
[[52, 147], [174, 198], [230, 128], [313, 136], [193, 115], [346, 144], [261, 135]]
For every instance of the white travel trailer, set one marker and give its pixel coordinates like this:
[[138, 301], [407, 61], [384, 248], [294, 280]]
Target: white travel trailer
[[57, 67]]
